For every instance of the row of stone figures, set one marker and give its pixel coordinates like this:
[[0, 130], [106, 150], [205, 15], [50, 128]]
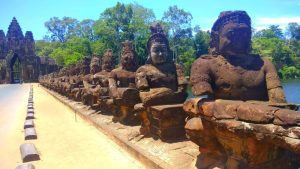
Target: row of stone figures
[[239, 117]]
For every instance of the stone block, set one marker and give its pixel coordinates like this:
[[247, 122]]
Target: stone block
[[28, 124], [29, 152], [30, 134], [167, 121], [29, 116], [25, 166]]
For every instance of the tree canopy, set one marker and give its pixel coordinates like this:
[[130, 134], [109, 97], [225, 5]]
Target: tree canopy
[[69, 40]]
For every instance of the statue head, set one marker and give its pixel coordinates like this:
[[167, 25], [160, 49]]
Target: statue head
[[128, 56], [158, 46], [95, 65], [231, 34], [85, 66], [108, 60]]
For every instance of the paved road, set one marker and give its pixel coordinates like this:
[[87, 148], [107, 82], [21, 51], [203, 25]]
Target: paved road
[[13, 100], [62, 142]]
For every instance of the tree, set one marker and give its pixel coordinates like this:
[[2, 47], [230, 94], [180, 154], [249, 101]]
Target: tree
[[293, 30], [64, 56], [61, 29], [277, 31], [45, 48], [141, 21], [272, 32], [202, 39], [290, 72], [79, 45], [85, 30], [113, 26], [125, 22], [179, 24]]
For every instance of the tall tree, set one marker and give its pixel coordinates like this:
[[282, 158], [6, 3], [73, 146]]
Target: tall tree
[[116, 22], [141, 21], [277, 31], [179, 24], [85, 30], [293, 30], [202, 39], [125, 22], [272, 32], [61, 29]]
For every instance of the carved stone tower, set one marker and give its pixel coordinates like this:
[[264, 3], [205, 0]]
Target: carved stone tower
[[18, 61]]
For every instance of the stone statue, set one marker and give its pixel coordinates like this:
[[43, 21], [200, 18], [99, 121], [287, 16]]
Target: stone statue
[[229, 71], [90, 91], [76, 82], [236, 124], [160, 81], [104, 103], [122, 85]]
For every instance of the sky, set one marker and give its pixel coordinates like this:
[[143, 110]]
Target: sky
[[32, 14]]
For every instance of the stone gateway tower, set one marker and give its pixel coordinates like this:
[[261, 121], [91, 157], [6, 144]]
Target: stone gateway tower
[[18, 61]]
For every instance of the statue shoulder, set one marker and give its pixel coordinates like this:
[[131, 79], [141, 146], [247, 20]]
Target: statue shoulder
[[144, 68], [204, 59]]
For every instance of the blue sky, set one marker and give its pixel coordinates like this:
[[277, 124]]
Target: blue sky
[[32, 14]]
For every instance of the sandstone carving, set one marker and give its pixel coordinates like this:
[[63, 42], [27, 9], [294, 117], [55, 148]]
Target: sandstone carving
[[232, 130]]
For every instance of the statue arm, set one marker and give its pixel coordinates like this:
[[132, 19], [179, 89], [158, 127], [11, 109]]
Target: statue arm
[[200, 78], [112, 85], [181, 80], [141, 80], [275, 91]]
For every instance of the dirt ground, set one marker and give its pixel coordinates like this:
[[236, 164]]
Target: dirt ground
[[63, 140]]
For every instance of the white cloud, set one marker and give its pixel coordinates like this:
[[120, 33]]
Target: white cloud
[[276, 21]]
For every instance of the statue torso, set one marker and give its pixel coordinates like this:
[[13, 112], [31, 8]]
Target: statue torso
[[161, 76], [237, 79], [123, 77], [101, 78]]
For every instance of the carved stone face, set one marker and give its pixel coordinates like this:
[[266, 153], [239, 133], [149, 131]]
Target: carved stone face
[[235, 39], [94, 65], [158, 53], [95, 68], [128, 61]]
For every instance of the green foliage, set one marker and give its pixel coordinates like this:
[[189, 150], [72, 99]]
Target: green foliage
[[294, 31], [272, 32], [285, 54], [178, 23], [61, 29], [69, 40], [290, 72], [187, 58], [45, 48], [65, 56], [202, 39], [79, 45], [85, 29]]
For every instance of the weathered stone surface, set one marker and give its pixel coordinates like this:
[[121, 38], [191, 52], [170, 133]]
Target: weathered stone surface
[[161, 82], [28, 124], [240, 133], [122, 86], [29, 116], [256, 113], [25, 166], [287, 117], [29, 152], [191, 106], [17, 56], [167, 121], [30, 110], [30, 133]]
